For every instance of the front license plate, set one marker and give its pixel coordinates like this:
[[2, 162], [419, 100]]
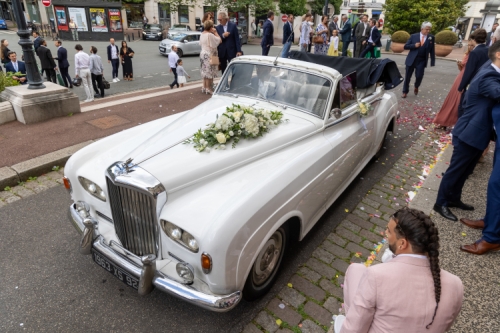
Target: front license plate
[[162, 49], [119, 273]]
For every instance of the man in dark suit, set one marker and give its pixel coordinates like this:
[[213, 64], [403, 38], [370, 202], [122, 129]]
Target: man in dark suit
[[37, 40], [421, 46], [230, 47], [345, 34], [477, 58], [47, 61], [288, 36], [333, 25], [15, 66], [373, 40], [268, 34], [490, 34], [114, 58], [62, 60], [471, 135]]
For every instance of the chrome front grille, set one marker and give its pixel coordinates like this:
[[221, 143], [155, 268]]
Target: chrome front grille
[[134, 216]]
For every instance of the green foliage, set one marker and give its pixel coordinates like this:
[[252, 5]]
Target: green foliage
[[295, 7], [30, 179], [409, 15], [400, 37], [7, 188], [446, 37], [56, 168], [317, 6], [6, 80]]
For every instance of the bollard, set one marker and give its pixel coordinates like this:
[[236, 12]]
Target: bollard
[[138, 34], [133, 36], [128, 37], [388, 44]]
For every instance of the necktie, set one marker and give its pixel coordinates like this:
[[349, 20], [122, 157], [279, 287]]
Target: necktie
[[422, 41]]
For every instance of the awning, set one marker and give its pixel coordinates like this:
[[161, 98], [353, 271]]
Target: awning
[[376, 12], [463, 19]]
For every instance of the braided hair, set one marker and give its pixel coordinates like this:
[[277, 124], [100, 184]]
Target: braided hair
[[419, 230]]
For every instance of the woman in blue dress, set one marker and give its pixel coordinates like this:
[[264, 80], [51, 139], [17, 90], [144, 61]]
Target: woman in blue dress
[[322, 30]]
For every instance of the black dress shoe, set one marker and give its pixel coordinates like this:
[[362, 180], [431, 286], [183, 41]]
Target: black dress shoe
[[415, 91], [460, 205], [445, 212]]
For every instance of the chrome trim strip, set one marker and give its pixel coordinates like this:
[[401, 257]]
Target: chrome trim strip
[[101, 215]]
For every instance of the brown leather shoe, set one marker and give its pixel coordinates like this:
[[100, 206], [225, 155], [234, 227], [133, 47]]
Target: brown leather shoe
[[480, 247], [415, 91], [474, 224], [404, 95]]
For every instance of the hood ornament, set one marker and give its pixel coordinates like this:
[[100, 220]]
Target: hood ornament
[[128, 165]]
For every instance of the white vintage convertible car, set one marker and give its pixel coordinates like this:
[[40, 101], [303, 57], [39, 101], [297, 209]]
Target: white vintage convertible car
[[213, 227]]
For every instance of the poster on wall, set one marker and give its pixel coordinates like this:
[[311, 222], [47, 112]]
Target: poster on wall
[[62, 22], [115, 22], [98, 20], [78, 16]]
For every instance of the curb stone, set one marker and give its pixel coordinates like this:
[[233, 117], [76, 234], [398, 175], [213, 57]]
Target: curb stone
[[316, 288]]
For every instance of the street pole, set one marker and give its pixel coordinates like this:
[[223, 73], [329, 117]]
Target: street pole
[[326, 8], [34, 78]]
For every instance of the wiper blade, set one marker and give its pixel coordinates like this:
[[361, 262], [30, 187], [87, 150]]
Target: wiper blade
[[271, 102]]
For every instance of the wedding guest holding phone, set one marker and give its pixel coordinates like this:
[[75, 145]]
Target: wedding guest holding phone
[[126, 55]]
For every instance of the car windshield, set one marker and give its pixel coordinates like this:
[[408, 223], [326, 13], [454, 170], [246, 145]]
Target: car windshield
[[152, 27], [178, 37], [278, 85]]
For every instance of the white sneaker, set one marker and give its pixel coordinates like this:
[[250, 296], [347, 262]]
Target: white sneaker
[[115, 80], [86, 101]]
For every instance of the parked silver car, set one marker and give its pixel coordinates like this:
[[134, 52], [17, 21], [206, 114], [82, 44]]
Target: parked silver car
[[187, 42], [243, 35]]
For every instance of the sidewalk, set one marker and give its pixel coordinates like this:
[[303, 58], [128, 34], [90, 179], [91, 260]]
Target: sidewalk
[[314, 294]]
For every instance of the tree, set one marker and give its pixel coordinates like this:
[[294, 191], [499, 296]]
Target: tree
[[409, 15], [318, 5], [294, 7]]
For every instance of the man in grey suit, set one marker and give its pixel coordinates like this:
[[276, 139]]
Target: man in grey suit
[[361, 33], [345, 34]]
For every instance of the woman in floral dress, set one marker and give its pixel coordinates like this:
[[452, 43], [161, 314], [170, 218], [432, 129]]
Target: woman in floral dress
[[322, 30], [209, 40]]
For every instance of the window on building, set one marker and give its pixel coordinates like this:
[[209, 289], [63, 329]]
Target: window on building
[[346, 3], [164, 13], [183, 12]]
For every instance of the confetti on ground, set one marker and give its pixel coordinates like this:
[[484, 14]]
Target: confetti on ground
[[289, 285], [282, 306], [279, 322], [346, 210], [464, 234]]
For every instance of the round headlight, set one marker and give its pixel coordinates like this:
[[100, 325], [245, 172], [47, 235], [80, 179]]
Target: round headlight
[[185, 272], [92, 187], [193, 244], [189, 241], [176, 233]]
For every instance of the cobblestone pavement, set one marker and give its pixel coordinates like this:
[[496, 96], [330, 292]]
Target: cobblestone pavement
[[314, 294]]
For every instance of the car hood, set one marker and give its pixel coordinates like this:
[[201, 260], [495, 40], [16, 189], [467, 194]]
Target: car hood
[[177, 164]]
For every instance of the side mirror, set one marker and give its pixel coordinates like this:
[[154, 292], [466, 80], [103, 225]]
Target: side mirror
[[337, 113]]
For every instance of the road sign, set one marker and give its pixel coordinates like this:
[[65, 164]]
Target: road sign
[[284, 18], [47, 3]]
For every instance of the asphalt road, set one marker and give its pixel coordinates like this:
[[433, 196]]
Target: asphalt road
[[48, 287]]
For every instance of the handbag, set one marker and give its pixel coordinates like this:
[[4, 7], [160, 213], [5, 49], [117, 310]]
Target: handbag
[[214, 61], [318, 39], [105, 83]]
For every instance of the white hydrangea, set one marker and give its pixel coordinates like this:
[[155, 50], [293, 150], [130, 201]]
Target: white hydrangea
[[251, 124], [223, 123]]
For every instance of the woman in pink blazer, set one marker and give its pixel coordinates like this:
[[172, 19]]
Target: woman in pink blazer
[[410, 293]]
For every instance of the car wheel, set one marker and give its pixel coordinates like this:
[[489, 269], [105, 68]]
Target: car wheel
[[180, 53], [266, 265]]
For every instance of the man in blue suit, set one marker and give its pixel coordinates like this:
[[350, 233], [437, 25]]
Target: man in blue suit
[[62, 61], [421, 46], [477, 58], [345, 34], [15, 66], [268, 34], [288, 36], [471, 135], [373, 40], [230, 47]]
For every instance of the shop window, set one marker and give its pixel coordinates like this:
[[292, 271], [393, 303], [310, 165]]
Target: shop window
[[183, 12]]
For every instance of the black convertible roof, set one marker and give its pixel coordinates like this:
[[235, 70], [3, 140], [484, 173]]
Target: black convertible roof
[[368, 71]]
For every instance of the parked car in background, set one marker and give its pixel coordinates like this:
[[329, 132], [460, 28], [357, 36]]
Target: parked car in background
[[152, 32], [187, 42], [243, 35], [213, 227], [176, 28], [3, 24]]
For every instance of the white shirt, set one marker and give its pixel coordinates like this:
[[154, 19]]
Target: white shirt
[[114, 52], [82, 61], [304, 33], [225, 27], [370, 40], [422, 36], [419, 256], [172, 59], [496, 68], [16, 66]]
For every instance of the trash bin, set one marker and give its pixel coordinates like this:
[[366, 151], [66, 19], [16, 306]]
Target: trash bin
[[388, 44], [52, 25]]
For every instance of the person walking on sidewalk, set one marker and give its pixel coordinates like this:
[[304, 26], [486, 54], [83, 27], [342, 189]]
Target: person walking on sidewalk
[[421, 46], [471, 135], [126, 55], [113, 58], [47, 61], [305, 31], [490, 239], [268, 35], [82, 70], [62, 60], [288, 36], [96, 71], [181, 73], [172, 62], [410, 293]]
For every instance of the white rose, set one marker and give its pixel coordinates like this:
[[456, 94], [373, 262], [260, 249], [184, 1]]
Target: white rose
[[251, 124], [221, 138], [266, 114], [242, 125], [239, 132], [237, 114], [236, 119], [202, 141], [231, 133]]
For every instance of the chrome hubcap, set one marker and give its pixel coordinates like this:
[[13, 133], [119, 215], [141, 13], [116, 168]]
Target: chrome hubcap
[[268, 258]]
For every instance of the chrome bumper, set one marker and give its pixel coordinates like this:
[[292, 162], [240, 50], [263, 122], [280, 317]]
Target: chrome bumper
[[147, 274]]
